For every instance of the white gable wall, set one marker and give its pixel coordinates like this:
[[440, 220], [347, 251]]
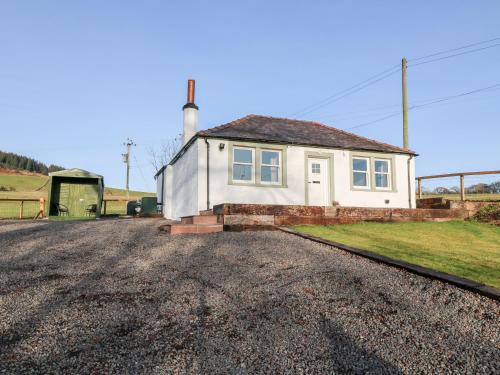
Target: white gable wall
[[167, 203], [181, 185]]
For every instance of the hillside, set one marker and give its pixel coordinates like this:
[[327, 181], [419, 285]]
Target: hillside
[[23, 163]]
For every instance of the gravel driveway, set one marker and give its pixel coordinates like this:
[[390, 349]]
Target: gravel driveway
[[118, 296]]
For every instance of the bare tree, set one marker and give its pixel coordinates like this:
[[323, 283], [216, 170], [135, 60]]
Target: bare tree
[[158, 157], [441, 190]]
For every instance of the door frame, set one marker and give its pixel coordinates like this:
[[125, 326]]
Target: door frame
[[319, 155]]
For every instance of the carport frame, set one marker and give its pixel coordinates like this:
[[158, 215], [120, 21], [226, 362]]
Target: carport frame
[[76, 173]]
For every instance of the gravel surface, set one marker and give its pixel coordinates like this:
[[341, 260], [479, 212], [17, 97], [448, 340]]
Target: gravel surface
[[118, 296]]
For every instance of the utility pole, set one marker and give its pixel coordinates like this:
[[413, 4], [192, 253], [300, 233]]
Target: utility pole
[[126, 159], [405, 104]]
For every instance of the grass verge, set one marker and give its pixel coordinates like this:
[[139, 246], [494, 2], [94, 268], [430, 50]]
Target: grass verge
[[462, 248]]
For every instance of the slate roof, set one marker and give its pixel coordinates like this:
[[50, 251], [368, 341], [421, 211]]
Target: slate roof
[[288, 131]]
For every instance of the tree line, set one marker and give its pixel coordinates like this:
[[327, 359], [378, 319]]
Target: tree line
[[20, 162], [481, 188]]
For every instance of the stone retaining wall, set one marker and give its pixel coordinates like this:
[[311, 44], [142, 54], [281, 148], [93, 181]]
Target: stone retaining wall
[[441, 203], [264, 216]]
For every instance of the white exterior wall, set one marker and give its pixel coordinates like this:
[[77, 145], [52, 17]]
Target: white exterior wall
[[186, 190], [167, 203], [160, 189], [295, 192], [181, 185]]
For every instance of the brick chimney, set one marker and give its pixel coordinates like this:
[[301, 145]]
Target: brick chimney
[[190, 115]]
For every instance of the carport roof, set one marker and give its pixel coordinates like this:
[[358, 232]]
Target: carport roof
[[75, 172]]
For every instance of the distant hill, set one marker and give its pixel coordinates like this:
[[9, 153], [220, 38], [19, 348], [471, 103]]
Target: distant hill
[[12, 161]]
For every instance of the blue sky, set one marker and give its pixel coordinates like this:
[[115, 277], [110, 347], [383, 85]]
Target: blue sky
[[77, 78]]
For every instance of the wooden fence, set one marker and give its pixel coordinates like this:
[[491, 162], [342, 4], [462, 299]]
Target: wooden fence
[[34, 208], [460, 174], [25, 208]]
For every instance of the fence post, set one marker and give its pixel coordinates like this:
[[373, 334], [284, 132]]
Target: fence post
[[419, 181], [42, 207], [462, 188], [105, 204], [21, 209]]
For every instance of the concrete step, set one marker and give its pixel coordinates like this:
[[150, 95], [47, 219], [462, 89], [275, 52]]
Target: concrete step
[[192, 228], [199, 219]]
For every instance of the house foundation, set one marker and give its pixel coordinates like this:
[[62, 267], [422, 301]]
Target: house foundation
[[259, 216]]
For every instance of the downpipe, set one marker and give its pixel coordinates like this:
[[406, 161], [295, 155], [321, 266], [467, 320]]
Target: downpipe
[[208, 173], [409, 181]]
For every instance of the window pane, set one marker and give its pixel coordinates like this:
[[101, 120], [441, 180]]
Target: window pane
[[359, 164], [316, 168], [242, 172], [269, 174], [359, 179], [242, 156], [271, 157], [381, 166], [381, 180]]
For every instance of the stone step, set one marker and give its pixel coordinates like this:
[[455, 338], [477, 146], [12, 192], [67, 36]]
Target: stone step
[[314, 220], [199, 219], [192, 228], [206, 212]]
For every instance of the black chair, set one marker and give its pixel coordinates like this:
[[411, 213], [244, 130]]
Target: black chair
[[91, 209], [62, 210]]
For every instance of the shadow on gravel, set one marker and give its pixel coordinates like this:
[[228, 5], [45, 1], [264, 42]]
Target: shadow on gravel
[[220, 303], [219, 347], [349, 358], [54, 303]]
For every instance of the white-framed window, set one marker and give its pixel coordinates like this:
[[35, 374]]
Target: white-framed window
[[361, 172], [243, 164], [315, 168], [270, 167], [382, 174]]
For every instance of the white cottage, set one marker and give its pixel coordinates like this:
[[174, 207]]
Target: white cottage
[[267, 160]]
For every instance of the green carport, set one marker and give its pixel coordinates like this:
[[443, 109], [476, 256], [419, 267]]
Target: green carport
[[75, 193]]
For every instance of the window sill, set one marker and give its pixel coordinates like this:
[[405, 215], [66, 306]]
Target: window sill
[[373, 190], [253, 184], [362, 188]]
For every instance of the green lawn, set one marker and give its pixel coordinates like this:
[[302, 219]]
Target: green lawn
[[463, 248]]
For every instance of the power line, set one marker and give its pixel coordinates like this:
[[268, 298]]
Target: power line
[[375, 121], [393, 70], [433, 101], [364, 113], [351, 90], [376, 109], [140, 170], [439, 100], [454, 49], [454, 55]]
